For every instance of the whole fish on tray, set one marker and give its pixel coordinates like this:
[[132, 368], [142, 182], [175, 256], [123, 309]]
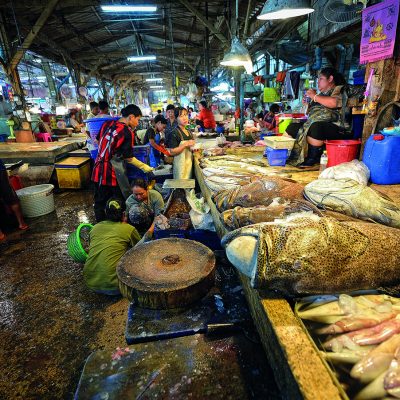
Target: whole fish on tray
[[350, 198], [259, 193], [307, 254], [279, 208], [377, 360]]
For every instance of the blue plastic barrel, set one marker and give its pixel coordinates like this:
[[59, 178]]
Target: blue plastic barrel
[[381, 157]]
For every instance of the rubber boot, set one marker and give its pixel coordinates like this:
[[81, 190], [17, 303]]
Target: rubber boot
[[313, 156]]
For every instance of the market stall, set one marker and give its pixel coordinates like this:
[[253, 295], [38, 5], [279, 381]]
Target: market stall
[[299, 368]]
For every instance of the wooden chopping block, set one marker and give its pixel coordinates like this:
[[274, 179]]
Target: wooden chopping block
[[166, 273]]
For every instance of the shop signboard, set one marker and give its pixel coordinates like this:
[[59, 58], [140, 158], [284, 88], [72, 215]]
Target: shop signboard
[[379, 24]]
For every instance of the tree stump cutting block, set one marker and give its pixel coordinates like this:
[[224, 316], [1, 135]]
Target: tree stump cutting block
[[166, 273]]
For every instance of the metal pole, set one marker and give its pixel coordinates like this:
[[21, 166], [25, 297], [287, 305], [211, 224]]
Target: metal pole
[[171, 39]]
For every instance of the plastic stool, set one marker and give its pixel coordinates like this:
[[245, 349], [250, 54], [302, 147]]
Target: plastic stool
[[43, 137]]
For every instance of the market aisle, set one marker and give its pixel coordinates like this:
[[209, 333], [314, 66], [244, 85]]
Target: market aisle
[[49, 321]]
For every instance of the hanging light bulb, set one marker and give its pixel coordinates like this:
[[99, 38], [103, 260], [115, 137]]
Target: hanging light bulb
[[282, 9], [238, 56]]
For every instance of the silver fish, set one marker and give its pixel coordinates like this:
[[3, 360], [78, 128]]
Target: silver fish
[[350, 198], [313, 255]]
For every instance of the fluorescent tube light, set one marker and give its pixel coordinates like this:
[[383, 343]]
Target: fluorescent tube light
[[156, 87], [154, 79], [122, 8], [141, 58]]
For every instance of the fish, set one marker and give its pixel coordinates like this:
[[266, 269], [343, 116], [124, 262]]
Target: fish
[[374, 390], [306, 254], [346, 356], [350, 198], [279, 208], [262, 192], [391, 382], [368, 336], [343, 306], [376, 361], [352, 323], [217, 183], [218, 159]]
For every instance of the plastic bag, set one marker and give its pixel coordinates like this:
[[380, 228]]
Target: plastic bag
[[202, 220], [355, 170], [197, 203]]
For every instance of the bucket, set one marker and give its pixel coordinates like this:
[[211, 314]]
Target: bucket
[[24, 136], [94, 124], [36, 200], [340, 151]]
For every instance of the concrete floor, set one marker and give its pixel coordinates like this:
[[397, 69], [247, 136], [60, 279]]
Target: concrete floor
[[49, 321]]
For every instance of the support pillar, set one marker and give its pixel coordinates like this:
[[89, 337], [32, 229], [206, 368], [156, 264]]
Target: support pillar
[[388, 72]]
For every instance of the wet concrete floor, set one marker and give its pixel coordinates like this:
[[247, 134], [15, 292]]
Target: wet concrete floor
[[49, 321]]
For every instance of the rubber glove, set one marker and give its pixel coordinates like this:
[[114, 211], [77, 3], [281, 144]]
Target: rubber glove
[[144, 167]]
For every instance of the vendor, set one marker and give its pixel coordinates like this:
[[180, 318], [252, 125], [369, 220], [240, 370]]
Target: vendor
[[179, 146], [267, 120], [171, 123], [205, 119], [116, 139], [73, 122], [104, 109], [10, 199], [109, 241], [143, 205], [154, 139], [324, 120], [94, 109]]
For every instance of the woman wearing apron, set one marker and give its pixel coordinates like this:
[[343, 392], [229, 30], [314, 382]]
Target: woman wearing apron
[[180, 143]]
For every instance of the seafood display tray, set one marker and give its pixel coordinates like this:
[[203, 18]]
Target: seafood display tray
[[298, 367]]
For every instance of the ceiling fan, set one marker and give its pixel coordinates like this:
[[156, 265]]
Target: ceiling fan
[[343, 11]]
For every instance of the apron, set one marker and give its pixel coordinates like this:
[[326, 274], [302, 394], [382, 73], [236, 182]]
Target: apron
[[183, 163], [119, 166], [155, 156]]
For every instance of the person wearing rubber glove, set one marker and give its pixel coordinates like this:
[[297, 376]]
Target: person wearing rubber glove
[[116, 140]]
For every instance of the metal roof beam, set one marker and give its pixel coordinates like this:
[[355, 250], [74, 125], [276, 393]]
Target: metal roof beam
[[204, 21], [51, 4]]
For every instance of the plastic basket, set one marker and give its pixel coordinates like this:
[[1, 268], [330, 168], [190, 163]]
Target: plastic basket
[[276, 157], [36, 200], [74, 243], [180, 221], [94, 124]]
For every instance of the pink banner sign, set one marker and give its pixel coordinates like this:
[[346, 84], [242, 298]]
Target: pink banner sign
[[379, 24]]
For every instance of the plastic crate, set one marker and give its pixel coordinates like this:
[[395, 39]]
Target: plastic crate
[[166, 233], [208, 238], [276, 157], [142, 153]]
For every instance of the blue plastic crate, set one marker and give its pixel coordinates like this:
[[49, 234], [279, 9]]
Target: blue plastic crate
[[276, 157], [142, 154], [3, 138], [167, 233], [208, 238]]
